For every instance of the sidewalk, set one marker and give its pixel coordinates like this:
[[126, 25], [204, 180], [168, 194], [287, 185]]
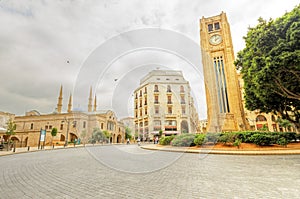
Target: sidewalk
[[35, 149], [221, 152]]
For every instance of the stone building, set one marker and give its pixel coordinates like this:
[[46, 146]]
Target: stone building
[[71, 125], [163, 102]]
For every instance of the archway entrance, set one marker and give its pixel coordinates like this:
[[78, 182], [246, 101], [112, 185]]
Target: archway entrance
[[62, 138], [119, 139], [73, 137]]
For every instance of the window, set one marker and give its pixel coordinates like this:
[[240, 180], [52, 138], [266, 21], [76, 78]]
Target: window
[[156, 109], [169, 110], [31, 126], [261, 118], [182, 99], [136, 96], [140, 93], [102, 125], [169, 99], [168, 88], [145, 101], [217, 26], [146, 123], [141, 124], [136, 114], [156, 100], [141, 102], [210, 27], [183, 110], [110, 126], [61, 127], [221, 85], [146, 112], [84, 124], [181, 89], [155, 88], [145, 90], [50, 127], [74, 124], [141, 112], [46, 127]]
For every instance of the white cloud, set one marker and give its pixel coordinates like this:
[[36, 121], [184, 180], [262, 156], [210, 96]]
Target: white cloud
[[37, 38]]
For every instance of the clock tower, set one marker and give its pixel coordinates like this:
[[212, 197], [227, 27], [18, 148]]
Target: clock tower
[[223, 96]]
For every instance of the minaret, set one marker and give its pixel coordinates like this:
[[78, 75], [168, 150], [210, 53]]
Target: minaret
[[90, 101], [60, 98], [70, 104], [95, 103]]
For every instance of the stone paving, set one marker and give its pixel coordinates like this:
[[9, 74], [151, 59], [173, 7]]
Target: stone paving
[[127, 171]]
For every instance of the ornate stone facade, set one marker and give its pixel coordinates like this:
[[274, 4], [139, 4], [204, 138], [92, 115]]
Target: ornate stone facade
[[224, 105], [163, 102]]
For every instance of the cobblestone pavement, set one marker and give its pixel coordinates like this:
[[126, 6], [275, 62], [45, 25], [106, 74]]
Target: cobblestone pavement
[[126, 171]]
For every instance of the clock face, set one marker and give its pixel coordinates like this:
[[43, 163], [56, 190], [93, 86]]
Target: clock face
[[215, 39]]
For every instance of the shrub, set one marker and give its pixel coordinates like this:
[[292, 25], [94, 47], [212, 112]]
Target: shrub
[[282, 141], [212, 137], [227, 137], [199, 139], [184, 140], [237, 143], [261, 139], [166, 140]]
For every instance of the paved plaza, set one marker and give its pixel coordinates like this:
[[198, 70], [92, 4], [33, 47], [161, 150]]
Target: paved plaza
[[127, 171]]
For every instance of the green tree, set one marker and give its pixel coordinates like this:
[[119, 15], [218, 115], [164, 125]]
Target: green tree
[[11, 127], [284, 123], [83, 136], [128, 133], [270, 66], [53, 134], [107, 135], [97, 136]]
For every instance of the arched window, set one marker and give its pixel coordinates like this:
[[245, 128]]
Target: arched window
[[261, 118], [273, 118]]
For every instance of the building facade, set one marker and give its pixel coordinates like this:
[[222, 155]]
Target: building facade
[[224, 105], [71, 125], [163, 102]]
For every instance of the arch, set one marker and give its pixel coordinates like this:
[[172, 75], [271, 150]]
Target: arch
[[184, 126], [119, 138], [73, 136], [261, 118], [62, 138], [273, 118], [14, 139]]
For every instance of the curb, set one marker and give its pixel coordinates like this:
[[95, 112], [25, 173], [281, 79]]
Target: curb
[[223, 152]]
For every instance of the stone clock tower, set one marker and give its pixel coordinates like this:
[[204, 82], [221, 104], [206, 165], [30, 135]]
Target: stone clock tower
[[223, 95]]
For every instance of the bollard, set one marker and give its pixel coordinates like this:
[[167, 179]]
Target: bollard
[[14, 149], [28, 148], [53, 146]]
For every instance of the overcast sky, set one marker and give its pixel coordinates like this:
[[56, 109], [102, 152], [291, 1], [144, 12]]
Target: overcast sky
[[44, 44]]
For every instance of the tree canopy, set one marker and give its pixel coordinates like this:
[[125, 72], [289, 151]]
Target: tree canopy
[[270, 66]]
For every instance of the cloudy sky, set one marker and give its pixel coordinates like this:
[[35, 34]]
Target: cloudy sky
[[77, 44]]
